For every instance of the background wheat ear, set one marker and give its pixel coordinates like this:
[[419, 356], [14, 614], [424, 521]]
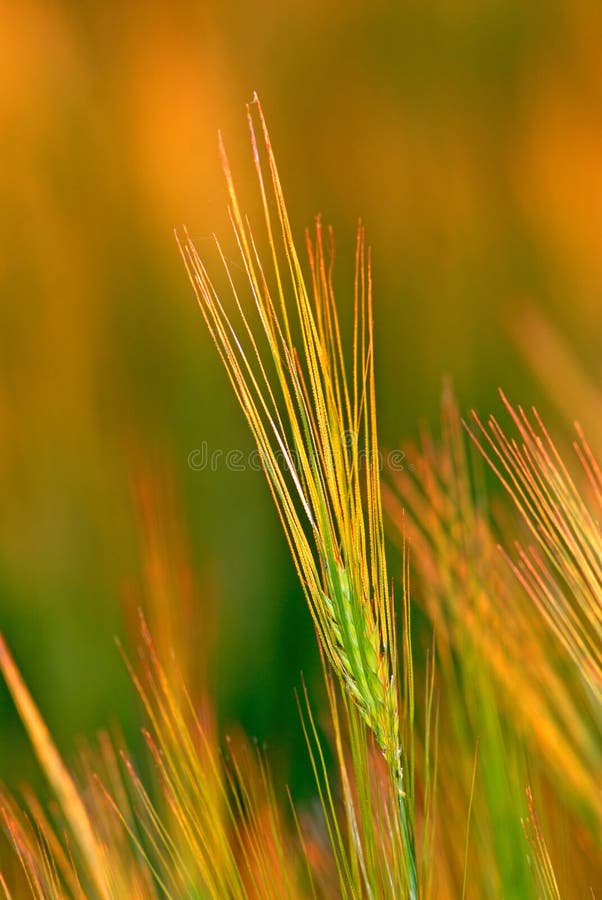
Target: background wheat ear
[[312, 409], [562, 572]]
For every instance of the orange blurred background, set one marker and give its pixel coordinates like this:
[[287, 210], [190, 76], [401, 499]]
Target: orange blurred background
[[467, 135]]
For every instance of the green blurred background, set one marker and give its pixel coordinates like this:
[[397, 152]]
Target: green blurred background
[[468, 136]]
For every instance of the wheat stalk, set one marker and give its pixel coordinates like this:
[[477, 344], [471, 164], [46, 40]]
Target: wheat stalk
[[306, 411]]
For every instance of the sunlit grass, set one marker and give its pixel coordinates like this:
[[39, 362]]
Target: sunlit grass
[[462, 720]]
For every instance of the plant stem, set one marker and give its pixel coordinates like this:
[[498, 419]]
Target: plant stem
[[408, 840]]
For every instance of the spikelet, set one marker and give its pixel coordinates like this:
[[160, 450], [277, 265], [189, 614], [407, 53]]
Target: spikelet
[[203, 825], [503, 677], [472, 597], [315, 429], [563, 572], [201, 828]]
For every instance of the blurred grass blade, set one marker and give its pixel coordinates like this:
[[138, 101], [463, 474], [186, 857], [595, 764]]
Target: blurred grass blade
[[468, 821], [541, 857], [61, 781]]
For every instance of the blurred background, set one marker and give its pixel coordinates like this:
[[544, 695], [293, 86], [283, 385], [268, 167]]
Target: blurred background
[[467, 135]]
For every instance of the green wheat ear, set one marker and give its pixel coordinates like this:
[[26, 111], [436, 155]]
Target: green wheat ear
[[308, 405], [362, 665]]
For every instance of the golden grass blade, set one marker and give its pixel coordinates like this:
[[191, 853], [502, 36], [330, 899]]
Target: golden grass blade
[[61, 781], [4, 887]]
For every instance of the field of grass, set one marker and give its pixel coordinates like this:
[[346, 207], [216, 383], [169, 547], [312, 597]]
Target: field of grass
[[455, 591]]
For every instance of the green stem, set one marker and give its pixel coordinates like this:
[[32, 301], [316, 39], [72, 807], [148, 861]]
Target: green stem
[[408, 841]]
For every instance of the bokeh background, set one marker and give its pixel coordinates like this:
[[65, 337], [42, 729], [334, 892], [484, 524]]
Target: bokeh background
[[467, 135]]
